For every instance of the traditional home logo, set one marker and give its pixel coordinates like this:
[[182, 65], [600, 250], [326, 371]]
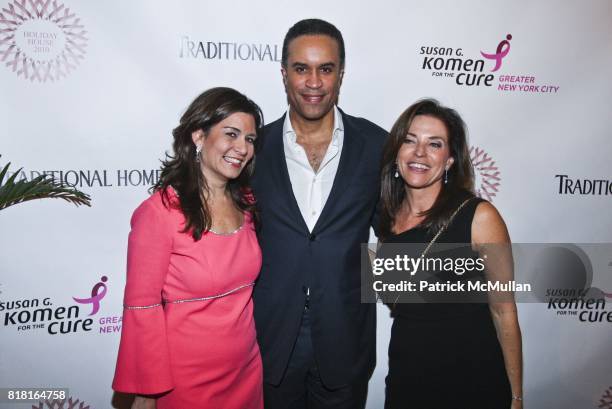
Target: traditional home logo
[[584, 187], [103, 178], [223, 50], [41, 40], [486, 172]]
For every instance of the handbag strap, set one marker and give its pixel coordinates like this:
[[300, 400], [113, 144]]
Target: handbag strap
[[445, 226]]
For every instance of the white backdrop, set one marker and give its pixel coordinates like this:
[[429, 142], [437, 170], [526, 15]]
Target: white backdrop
[[124, 73]]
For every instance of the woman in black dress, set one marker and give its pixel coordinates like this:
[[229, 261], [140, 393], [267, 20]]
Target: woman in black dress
[[446, 355]]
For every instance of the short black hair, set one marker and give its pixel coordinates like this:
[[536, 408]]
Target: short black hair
[[312, 26]]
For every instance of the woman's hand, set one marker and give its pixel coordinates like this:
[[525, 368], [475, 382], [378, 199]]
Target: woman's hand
[[516, 404], [140, 402]]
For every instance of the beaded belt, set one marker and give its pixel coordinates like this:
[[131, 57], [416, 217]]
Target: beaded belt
[[212, 297]]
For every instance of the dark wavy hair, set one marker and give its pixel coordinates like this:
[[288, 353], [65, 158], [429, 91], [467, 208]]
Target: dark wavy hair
[[182, 172], [460, 175], [312, 26]]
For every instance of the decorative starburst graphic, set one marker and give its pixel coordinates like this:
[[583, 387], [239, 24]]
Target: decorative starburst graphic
[[69, 403], [606, 399], [487, 174], [41, 40]]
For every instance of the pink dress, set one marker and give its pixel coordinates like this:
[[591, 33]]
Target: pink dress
[[188, 327]]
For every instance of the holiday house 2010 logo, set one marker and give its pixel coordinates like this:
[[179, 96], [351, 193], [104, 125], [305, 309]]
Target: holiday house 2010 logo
[[41, 40]]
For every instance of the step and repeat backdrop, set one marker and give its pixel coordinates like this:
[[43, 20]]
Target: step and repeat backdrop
[[90, 92]]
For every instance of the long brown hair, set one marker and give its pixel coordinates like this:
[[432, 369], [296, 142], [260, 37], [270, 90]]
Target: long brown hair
[[460, 174], [182, 172]]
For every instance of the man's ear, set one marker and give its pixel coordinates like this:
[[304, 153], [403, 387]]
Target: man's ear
[[284, 74]]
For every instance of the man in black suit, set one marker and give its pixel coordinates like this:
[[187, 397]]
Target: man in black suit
[[317, 185]]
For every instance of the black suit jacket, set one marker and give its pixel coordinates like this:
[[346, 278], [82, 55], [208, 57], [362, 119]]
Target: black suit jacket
[[327, 260]]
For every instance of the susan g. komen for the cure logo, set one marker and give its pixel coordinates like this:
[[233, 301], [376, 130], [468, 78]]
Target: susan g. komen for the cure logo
[[487, 174], [503, 48], [97, 293], [41, 40], [455, 62]]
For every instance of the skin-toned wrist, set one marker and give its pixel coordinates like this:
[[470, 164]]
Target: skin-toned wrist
[[516, 404], [143, 402]]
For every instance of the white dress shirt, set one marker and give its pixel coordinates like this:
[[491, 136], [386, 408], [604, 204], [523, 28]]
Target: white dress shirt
[[311, 189]]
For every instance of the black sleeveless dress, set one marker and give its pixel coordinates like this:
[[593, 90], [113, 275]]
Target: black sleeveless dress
[[444, 355]]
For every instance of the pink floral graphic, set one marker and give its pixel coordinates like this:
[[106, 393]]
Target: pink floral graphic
[[69, 403], [606, 399], [41, 40], [487, 174]]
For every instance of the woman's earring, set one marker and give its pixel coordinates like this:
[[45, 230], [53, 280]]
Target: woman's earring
[[396, 174], [445, 176], [198, 151]]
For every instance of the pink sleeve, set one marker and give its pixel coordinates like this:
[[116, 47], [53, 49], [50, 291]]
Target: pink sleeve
[[143, 362]]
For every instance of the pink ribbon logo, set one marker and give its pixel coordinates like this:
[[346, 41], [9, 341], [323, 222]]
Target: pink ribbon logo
[[503, 48], [97, 293]]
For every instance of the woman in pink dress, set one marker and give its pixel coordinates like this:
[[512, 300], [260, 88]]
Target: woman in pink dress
[[188, 337]]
